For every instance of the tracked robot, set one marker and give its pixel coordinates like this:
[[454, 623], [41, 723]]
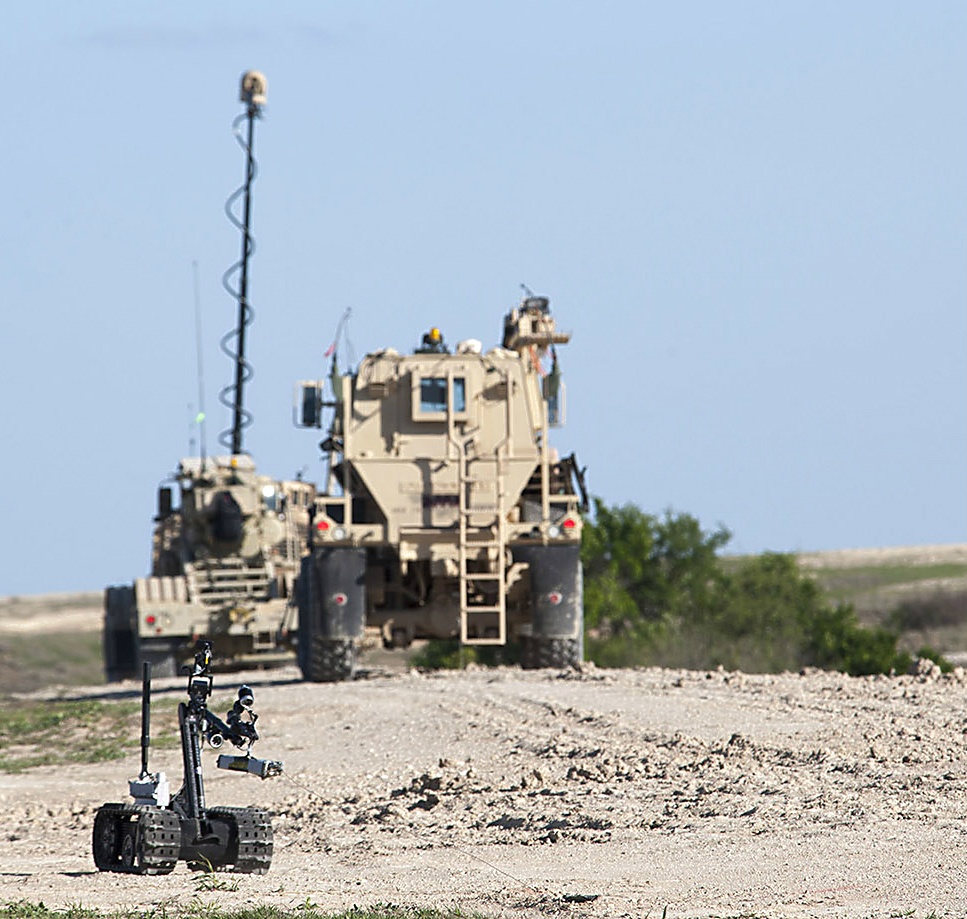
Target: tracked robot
[[155, 832]]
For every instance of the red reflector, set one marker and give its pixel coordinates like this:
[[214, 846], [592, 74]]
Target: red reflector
[[150, 620], [322, 525], [569, 523]]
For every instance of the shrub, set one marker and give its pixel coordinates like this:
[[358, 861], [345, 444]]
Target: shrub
[[450, 655], [657, 593]]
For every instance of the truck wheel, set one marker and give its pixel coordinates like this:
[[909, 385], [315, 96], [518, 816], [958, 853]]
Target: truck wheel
[[331, 660], [554, 653]]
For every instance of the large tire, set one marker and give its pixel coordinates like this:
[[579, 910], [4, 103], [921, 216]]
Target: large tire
[[304, 625], [332, 613], [554, 653], [331, 660]]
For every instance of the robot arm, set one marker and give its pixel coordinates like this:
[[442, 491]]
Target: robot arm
[[238, 726], [263, 768], [240, 731]]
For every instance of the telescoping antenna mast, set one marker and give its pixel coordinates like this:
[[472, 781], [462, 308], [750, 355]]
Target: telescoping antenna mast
[[253, 94]]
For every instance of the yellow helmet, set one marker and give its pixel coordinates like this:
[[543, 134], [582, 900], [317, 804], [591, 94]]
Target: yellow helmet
[[434, 334]]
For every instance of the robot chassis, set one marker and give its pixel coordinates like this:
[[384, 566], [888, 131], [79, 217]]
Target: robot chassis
[[155, 832]]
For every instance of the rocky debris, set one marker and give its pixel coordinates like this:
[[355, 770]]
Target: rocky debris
[[925, 670], [470, 772]]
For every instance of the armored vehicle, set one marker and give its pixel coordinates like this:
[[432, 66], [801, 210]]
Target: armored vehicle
[[224, 556], [224, 560], [447, 513]]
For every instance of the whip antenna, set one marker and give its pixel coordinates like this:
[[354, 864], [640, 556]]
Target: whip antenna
[[253, 95], [200, 417]]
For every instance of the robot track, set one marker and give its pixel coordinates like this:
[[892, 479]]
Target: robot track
[[136, 839]]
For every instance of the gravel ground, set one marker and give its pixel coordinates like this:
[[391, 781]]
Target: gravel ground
[[603, 793]]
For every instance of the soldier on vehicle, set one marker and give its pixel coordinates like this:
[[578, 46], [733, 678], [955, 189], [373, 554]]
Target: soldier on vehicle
[[433, 343]]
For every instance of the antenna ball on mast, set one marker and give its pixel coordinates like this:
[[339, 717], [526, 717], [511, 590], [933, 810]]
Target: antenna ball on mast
[[254, 88]]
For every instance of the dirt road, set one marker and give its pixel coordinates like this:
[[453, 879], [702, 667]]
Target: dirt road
[[606, 793]]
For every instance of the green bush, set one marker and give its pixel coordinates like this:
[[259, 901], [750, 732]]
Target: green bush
[[450, 655], [656, 593]]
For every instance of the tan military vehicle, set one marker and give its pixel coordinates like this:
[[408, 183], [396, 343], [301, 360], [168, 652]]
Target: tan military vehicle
[[446, 512], [224, 561], [225, 557]]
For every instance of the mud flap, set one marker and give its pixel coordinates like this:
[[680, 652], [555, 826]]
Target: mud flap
[[332, 602], [120, 637], [557, 590], [302, 627]]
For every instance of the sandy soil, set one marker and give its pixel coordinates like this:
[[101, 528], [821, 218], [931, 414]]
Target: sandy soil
[[602, 793], [947, 554], [64, 612]]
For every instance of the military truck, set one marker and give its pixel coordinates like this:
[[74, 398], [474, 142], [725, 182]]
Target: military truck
[[446, 512], [225, 554]]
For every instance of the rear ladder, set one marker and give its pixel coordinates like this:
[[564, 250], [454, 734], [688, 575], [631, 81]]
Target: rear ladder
[[483, 594]]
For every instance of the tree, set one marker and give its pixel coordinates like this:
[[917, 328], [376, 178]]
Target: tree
[[642, 574], [657, 592]]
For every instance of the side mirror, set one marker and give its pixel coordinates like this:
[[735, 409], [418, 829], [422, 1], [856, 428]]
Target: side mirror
[[308, 405]]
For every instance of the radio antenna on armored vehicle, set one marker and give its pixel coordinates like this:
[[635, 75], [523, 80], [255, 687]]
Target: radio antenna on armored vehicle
[[252, 93], [227, 542], [199, 419]]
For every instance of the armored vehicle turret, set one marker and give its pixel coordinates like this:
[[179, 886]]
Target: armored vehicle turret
[[224, 560], [447, 513]]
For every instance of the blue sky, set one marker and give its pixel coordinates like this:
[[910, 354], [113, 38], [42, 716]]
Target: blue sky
[[752, 217]]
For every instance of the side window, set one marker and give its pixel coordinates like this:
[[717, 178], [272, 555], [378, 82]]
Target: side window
[[430, 401], [433, 394], [459, 394]]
